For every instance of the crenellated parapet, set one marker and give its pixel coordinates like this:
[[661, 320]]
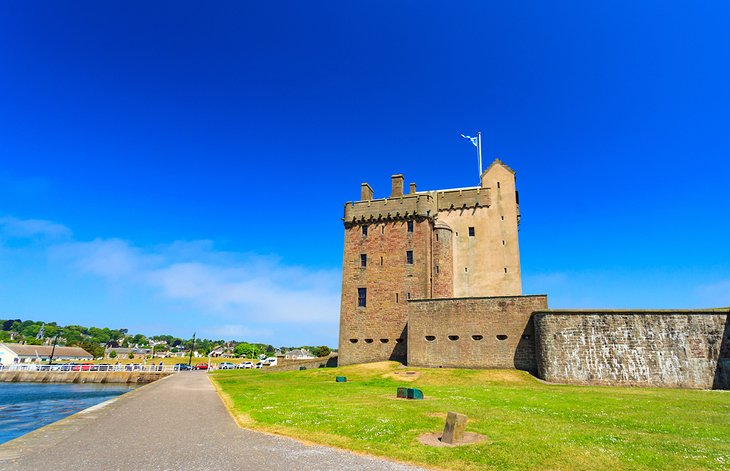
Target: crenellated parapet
[[411, 206], [462, 198]]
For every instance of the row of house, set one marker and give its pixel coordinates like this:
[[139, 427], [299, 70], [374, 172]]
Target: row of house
[[13, 353]]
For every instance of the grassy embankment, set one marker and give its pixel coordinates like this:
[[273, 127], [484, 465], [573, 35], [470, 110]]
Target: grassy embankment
[[528, 424]]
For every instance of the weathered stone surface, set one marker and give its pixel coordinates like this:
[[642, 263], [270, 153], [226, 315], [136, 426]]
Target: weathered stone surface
[[682, 348], [454, 428], [474, 332]]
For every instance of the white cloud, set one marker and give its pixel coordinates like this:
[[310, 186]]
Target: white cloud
[[27, 228], [227, 286]]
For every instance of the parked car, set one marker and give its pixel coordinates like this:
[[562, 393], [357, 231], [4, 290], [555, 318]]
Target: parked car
[[226, 365], [182, 367], [245, 364], [271, 361], [259, 365], [201, 366], [82, 367]]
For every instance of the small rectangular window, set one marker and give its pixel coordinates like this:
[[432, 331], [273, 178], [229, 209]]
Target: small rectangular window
[[471, 232], [382, 230], [396, 298], [409, 257], [505, 269], [363, 260], [381, 260], [364, 231], [502, 242], [362, 294], [410, 226], [497, 184], [408, 295], [437, 269]]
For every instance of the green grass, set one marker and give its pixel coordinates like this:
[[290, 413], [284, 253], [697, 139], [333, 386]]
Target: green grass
[[528, 424]]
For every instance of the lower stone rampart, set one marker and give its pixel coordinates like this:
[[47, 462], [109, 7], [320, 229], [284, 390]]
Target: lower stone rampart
[[20, 376], [494, 332], [678, 348]]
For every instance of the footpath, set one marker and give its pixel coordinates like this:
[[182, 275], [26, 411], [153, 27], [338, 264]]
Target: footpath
[[176, 423]]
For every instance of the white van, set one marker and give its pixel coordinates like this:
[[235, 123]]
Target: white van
[[271, 361]]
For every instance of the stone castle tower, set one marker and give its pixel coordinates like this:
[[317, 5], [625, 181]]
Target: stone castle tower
[[455, 243]]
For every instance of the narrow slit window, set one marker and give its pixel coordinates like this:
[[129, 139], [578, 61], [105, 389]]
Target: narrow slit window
[[363, 260], [409, 257], [396, 298], [382, 230], [362, 295], [498, 186], [437, 237], [502, 218], [364, 231], [471, 232], [466, 269], [437, 269], [502, 242], [408, 295], [381, 260], [505, 269], [410, 226]]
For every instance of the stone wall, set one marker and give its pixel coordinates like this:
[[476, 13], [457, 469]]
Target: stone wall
[[21, 376], [494, 332], [679, 348]]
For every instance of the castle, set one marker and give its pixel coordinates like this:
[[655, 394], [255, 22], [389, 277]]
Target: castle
[[432, 278]]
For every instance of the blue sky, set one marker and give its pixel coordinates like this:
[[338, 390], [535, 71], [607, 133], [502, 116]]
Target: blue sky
[[173, 167]]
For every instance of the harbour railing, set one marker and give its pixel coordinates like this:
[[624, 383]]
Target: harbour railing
[[74, 367]]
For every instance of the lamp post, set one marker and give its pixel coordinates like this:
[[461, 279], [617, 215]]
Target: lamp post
[[190, 361]]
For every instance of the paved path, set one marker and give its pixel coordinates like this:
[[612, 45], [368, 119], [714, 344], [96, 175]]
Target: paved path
[[177, 423]]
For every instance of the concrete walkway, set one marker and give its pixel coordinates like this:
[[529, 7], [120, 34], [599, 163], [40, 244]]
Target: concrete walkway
[[176, 423]]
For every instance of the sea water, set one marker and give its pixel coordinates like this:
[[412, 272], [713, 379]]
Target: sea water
[[27, 406]]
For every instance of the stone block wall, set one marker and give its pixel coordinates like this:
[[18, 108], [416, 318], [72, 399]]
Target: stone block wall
[[679, 348], [493, 332]]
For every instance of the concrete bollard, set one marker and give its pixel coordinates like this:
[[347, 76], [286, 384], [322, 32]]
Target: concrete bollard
[[454, 429]]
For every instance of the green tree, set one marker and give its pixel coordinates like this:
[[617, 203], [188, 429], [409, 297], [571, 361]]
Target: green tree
[[130, 356], [322, 351], [113, 354]]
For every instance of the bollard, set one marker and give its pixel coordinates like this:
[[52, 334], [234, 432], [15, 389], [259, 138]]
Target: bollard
[[454, 429]]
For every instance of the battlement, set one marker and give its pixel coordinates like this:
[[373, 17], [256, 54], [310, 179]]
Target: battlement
[[462, 198], [401, 207]]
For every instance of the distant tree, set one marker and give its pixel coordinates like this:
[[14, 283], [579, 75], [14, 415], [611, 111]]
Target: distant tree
[[130, 356], [323, 351], [113, 354], [95, 349], [270, 349]]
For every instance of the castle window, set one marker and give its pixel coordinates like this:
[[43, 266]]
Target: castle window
[[466, 269], [410, 226], [498, 185], [453, 338], [362, 294], [384, 340], [430, 338], [471, 232], [502, 242], [408, 295], [365, 230], [501, 337], [381, 260], [505, 269], [396, 298], [382, 230], [409, 257], [363, 260], [353, 340], [502, 218], [437, 237], [477, 337], [437, 269], [368, 340]]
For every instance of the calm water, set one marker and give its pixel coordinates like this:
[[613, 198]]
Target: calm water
[[27, 406]]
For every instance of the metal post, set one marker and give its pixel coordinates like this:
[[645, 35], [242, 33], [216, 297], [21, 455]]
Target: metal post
[[190, 362], [479, 151]]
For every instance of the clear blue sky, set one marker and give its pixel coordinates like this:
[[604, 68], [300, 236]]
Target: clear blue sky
[[173, 167]]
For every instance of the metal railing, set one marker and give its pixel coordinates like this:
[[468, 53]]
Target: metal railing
[[75, 367]]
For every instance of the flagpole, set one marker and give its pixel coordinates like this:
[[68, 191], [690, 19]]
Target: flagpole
[[479, 150]]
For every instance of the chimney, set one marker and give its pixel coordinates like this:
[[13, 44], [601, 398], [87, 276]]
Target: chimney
[[397, 186], [413, 188], [366, 192]]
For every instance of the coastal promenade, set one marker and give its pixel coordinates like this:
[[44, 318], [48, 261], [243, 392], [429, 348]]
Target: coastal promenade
[[176, 423]]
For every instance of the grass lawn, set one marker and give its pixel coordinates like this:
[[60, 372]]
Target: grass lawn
[[528, 424]]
